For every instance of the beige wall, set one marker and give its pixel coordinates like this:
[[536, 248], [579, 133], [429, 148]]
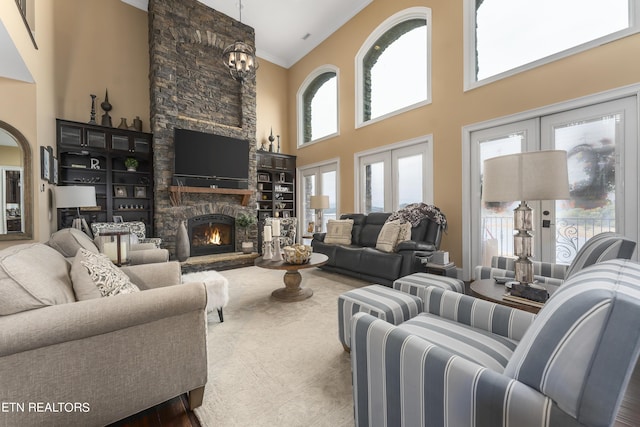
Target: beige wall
[[271, 105], [29, 106], [101, 45], [606, 67], [10, 156]]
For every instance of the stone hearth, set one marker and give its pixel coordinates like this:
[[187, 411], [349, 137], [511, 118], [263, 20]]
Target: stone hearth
[[192, 89]]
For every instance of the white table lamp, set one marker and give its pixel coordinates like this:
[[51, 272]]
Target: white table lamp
[[319, 203], [538, 175]]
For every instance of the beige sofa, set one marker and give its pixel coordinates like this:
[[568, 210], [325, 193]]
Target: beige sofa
[[67, 241], [92, 362]]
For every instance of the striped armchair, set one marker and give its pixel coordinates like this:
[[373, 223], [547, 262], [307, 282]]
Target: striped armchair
[[471, 362], [600, 247]]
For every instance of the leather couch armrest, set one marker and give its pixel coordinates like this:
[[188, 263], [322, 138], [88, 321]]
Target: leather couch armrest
[[412, 245]]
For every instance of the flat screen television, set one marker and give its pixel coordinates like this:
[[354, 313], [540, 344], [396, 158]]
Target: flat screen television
[[205, 159]]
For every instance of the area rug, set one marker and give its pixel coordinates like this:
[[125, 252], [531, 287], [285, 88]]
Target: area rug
[[275, 363]]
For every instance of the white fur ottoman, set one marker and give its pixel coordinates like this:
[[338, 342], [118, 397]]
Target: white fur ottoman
[[217, 289]]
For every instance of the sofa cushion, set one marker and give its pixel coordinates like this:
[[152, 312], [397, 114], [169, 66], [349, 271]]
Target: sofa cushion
[[372, 227], [339, 231], [358, 222], [68, 240], [33, 276], [96, 269], [379, 264], [348, 257], [388, 237]]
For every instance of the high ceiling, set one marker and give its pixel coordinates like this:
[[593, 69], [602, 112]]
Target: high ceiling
[[281, 26]]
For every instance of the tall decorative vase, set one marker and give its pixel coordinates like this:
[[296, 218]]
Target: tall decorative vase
[[183, 250]]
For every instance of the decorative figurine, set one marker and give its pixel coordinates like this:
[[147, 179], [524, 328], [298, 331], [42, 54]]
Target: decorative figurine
[[278, 143], [92, 121], [106, 107], [271, 139]]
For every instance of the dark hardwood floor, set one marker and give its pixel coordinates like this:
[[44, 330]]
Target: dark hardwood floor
[[175, 412], [172, 413]]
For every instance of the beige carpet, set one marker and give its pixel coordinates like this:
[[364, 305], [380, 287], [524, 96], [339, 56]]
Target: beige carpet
[[278, 364]]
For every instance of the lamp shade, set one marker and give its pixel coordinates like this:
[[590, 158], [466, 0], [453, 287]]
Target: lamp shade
[[537, 175], [75, 196], [319, 202]]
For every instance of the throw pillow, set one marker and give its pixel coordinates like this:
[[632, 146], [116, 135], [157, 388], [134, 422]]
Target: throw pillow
[[405, 232], [94, 276], [388, 237], [339, 231]]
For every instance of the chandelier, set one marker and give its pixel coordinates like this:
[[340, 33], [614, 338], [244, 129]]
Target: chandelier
[[240, 58]]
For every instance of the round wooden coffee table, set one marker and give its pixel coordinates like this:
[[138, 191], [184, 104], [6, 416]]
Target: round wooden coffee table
[[292, 277]]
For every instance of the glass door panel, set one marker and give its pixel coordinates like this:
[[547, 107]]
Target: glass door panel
[[329, 187], [307, 221], [594, 140]]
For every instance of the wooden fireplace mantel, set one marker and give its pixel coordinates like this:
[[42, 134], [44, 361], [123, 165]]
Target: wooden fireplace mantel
[[246, 194]]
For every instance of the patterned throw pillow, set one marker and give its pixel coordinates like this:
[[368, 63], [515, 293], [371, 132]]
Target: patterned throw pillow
[[405, 231], [339, 231], [90, 269]]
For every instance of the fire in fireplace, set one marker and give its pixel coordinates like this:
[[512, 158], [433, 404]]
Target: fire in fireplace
[[211, 234]]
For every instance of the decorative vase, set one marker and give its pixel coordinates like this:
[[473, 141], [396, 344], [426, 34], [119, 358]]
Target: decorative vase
[[123, 124], [247, 247], [106, 107], [183, 250], [137, 124]]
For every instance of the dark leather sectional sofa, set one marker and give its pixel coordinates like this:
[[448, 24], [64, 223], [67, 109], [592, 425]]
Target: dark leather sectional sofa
[[361, 259]]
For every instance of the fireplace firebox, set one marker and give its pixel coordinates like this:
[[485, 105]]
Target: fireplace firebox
[[211, 234]]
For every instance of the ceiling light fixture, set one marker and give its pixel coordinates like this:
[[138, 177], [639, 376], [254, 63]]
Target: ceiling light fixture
[[240, 58]]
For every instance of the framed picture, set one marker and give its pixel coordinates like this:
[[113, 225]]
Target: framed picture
[[311, 227], [45, 163], [264, 177], [55, 171], [140, 191], [283, 177], [120, 191], [117, 219]]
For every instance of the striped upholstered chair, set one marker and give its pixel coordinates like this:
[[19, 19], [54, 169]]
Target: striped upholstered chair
[[601, 247], [468, 362]]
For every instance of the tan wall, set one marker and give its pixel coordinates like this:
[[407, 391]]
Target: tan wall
[[606, 67], [101, 45], [271, 105], [10, 156], [29, 106]]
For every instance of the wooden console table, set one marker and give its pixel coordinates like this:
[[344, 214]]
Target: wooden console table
[[246, 194]]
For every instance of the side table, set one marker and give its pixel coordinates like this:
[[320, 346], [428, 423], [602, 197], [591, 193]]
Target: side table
[[448, 270], [488, 289]]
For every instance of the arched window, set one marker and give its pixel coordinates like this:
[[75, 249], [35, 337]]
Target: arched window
[[318, 106], [393, 66]]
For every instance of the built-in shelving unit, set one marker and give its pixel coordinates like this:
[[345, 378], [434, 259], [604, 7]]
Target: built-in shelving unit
[[276, 186], [95, 155]]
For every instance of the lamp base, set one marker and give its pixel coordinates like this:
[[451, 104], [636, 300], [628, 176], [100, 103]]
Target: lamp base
[[529, 291]]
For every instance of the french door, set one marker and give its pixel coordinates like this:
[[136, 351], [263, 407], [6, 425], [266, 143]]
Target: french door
[[601, 145], [316, 181], [394, 178]]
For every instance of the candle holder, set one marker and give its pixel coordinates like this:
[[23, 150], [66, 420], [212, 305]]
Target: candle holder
[[277, 252], [116, 245], [267, 251]]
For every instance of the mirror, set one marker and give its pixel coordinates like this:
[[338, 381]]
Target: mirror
[[16, 222]]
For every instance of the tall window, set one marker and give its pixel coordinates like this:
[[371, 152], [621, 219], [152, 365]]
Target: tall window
[[318, 106], [393, 66], [507, 36]]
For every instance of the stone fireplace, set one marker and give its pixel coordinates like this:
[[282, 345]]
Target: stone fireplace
[[211, 234], [192, 89]]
